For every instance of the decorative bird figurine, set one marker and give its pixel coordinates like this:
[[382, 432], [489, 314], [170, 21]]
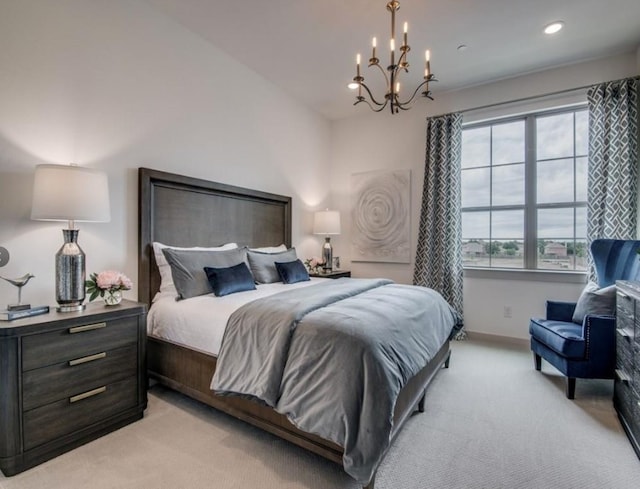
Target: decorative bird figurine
[[19, 282]]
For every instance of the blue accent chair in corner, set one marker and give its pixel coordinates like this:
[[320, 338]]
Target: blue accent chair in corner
[[587, 350]]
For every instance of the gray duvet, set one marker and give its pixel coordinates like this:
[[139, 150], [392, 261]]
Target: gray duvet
[[333, 358]]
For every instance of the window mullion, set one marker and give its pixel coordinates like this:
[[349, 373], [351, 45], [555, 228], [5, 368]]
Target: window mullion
[[530, 211]]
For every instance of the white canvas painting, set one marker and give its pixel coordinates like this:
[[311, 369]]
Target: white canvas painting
[[381, 216]]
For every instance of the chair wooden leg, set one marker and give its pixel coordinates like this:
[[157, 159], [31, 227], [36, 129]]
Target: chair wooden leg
[[446, 362], [421, 403], [571, 387], [537, 360]]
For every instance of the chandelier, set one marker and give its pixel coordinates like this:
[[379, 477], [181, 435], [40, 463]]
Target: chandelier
[[392, 72]]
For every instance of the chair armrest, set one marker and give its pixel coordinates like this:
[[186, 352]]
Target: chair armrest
[[600, 335], [560, 311]]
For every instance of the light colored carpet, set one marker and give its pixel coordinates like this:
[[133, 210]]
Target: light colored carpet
[[491, 421]]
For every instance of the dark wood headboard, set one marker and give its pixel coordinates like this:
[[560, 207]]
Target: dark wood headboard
[[183, 211]]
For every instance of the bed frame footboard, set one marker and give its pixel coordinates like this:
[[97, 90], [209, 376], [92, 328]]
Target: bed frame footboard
[[190, 371]]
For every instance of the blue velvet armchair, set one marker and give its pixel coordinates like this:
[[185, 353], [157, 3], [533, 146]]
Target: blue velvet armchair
[[587, 350]]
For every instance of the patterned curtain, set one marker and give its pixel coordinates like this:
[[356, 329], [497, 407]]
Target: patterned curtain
[[613, 161], [439, 251]]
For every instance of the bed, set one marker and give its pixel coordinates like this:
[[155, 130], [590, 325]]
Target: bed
[[184, 211]]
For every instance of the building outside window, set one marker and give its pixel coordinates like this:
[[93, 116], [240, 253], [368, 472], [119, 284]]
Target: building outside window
[[524, 191]]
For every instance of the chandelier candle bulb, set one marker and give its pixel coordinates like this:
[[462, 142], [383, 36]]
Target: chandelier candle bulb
[[392, 45], [406, 29], [374, 43], [427, 63]]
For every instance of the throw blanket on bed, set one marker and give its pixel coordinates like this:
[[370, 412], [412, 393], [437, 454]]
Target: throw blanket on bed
[[333, 358]]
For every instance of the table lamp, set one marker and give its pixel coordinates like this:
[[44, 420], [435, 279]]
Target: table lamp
[[74, 194], [326, 223]]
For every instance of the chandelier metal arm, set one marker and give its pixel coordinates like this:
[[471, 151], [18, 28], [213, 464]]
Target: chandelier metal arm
[[383, 104], [362, 99], [402, 62], [382, 70], [426, 93]]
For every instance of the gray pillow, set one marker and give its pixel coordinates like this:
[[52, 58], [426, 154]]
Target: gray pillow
[[595, 301], [263, 265], [187, 268]]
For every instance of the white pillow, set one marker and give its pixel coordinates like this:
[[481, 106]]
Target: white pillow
[[270, 249], [166, 280], [596, 301]]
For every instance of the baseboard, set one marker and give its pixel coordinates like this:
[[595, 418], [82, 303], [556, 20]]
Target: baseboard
[[494, 338]]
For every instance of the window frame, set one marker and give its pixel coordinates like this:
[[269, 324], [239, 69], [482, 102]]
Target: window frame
[[530, 207]]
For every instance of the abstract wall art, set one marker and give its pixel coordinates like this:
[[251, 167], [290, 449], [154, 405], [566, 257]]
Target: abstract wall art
[[381, 216]]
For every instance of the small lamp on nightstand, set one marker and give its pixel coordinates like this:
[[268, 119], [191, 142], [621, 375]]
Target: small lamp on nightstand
[[70, 193], [327, 223]]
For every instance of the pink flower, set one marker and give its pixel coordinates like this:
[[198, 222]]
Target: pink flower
[[125, 282], [113, 280]]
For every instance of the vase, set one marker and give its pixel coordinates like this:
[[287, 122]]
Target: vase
[[112, 297]]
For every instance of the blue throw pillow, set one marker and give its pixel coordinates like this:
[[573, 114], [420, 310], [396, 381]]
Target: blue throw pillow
[[225, 281], [292, 271]]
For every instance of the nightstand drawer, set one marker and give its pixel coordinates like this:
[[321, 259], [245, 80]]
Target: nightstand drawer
[[625, 336], [624, 347], [48, 384], [625, 309], [627, 402], [59, 346], [84, 408]]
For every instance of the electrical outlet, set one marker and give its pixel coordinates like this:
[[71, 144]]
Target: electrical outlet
[[507, 311]]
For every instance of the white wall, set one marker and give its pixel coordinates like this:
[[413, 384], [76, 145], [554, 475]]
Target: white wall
[[382, 141], [116, 86]]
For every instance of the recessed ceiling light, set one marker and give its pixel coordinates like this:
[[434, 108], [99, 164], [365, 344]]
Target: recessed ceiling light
[[554, 27]]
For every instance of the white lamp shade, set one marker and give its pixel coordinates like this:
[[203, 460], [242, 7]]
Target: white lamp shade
[[326, 222], [70, 193]]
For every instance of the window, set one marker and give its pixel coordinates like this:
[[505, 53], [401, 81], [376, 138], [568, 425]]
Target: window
[[524, 192]]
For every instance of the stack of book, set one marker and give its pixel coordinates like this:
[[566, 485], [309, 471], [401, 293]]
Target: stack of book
[[9, 315]]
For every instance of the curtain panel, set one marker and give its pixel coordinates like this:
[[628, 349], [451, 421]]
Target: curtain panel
[[438, 262], [613, 161]]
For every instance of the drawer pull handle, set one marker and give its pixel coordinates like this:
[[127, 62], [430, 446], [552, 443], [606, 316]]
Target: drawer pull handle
[[624, 333], [87, 394], [623, 295], [87, 327], [623, 377], [89, 358]]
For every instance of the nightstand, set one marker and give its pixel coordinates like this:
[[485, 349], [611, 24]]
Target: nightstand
[[332, 274], [68, 378], [626, 387]]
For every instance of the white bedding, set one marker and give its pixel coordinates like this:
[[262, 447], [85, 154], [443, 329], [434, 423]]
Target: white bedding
[[200, 322]]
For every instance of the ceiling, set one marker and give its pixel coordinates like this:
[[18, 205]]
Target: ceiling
[[308, 47]]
